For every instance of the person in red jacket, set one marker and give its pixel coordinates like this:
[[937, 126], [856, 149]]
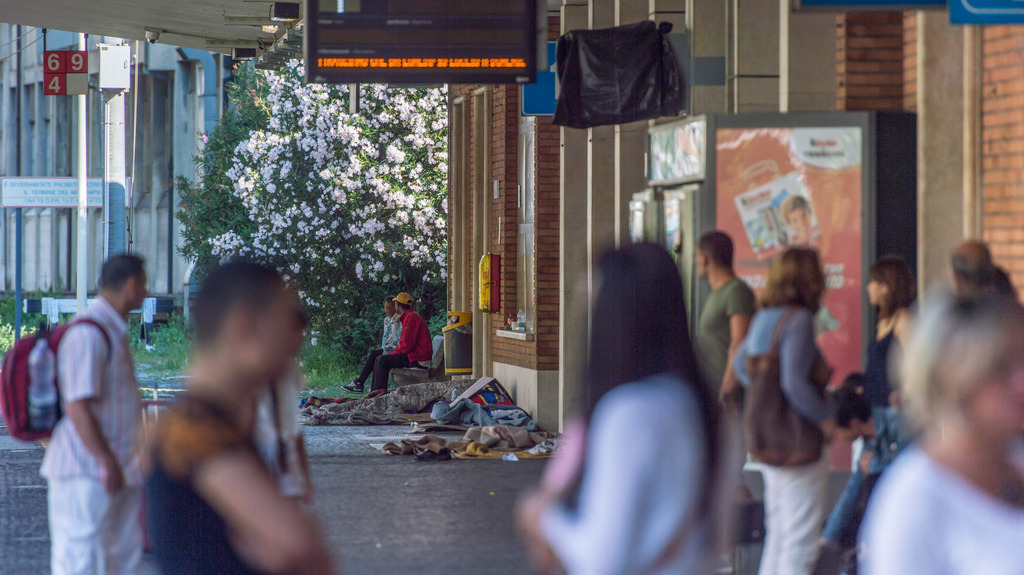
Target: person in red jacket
[[414, 347]]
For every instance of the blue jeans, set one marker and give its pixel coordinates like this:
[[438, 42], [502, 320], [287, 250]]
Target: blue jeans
[[844, 521]]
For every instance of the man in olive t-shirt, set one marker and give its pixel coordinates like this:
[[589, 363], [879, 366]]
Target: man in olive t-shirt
[[726, 314]]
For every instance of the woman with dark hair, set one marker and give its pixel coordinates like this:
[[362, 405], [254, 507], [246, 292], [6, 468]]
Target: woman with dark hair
[[891, 288], [644, 491], [794, 496]]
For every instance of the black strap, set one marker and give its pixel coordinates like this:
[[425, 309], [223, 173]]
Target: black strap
[[282, 458], [777, 333]]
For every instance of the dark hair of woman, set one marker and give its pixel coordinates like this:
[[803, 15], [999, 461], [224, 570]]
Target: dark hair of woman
[[894, 273], [640, 330]]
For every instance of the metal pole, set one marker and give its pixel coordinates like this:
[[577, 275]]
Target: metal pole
[[17, 161], [116, 175], [113, 174], [82, 286]]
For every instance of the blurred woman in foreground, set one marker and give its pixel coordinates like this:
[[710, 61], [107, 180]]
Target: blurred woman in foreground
[[214, 508], [954, 503], [642, 489]]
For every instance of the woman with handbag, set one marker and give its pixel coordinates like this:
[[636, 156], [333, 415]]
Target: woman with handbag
[[639, 487], [953, 503], [785, 417]]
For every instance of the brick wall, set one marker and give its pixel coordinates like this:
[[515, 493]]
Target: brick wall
[[546, 226], [910, 61], [502, 224], [1003, 147], [869, 61], [503, 218]]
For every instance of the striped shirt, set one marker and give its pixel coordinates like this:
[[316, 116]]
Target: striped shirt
[[88, 369]]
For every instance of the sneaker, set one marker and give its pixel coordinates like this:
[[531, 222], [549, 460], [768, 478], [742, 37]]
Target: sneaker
[[353, 387]]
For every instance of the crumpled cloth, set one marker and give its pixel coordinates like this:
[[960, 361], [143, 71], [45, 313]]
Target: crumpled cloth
[[504, 437], [465, 412], [546, 447], [381, 410]]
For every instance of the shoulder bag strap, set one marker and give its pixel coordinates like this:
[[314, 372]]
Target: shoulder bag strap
[[779, 326]]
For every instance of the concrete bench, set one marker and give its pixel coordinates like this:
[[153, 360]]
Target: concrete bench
[[413, 375]]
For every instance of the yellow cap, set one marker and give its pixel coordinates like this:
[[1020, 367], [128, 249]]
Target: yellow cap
[[404, 299]]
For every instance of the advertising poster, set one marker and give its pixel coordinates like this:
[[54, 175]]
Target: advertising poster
[[780, 187], [677, 152]]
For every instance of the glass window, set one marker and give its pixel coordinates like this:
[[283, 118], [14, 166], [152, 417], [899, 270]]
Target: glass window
[[525, 250]]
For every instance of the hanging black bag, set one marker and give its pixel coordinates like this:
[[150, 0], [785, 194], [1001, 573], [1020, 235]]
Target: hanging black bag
[[617, 75]]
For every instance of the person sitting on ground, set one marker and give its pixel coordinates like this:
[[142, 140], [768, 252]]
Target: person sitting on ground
[[414, 347], [885, 435], [213, 506], [390, 336]]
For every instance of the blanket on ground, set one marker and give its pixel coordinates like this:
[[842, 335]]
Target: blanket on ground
[[479, 442], [384, 409]]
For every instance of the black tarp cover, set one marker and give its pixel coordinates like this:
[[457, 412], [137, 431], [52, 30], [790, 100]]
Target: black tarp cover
[[617, 75]]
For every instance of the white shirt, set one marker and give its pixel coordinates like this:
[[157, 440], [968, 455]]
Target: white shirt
[[88, 368], [924, 519], [643, 482], [272, 432]]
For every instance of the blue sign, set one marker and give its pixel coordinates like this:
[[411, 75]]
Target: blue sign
[[872, 4], [986, 11], [539, 99]]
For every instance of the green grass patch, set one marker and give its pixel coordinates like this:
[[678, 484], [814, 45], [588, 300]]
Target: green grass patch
[[167, 358], [327, 368]]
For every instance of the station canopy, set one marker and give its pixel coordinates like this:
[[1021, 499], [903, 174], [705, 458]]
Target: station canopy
[[214, 25]]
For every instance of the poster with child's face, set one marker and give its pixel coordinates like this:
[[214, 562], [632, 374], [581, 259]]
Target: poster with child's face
[[781, 187]]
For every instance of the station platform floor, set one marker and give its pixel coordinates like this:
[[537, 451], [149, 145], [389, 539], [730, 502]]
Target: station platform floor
[[381, 514]]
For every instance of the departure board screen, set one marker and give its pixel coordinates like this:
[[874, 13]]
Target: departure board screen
[[421, 41]]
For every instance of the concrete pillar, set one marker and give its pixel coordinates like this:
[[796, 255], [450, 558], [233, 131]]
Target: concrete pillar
[[807, 60], [601, 167], [753, 62], [940, 144], [973, 77], [630, 139], [706, 21], [572, 262]]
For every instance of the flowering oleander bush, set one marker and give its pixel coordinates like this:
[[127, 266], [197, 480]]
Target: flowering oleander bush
[[350, 207]]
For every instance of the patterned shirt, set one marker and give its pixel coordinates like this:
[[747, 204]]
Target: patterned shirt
[[87, 368], [189, 537]]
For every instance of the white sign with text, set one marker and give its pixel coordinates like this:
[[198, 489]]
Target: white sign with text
[[48, 192]]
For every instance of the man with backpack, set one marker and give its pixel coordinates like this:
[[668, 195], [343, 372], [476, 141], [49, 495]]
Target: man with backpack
[[92, 464]]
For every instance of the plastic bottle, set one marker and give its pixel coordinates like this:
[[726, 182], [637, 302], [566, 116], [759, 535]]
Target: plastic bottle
[[521, 321], [42, 388]]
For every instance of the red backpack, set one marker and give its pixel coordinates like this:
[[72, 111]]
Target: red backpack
[[14, 381]]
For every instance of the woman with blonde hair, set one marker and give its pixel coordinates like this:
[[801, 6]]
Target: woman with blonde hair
[[954, 503], [794, 496]]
